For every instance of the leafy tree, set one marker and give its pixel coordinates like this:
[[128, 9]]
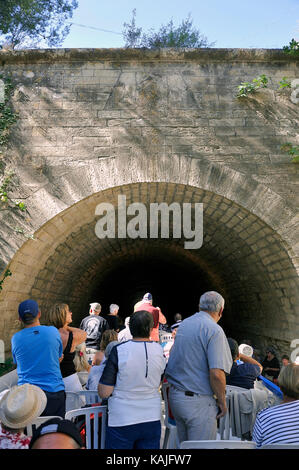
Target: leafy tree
[[29, 23], [185, 35]]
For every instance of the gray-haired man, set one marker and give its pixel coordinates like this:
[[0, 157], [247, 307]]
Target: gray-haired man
[[199, 360], [112, 318], [94, 325]]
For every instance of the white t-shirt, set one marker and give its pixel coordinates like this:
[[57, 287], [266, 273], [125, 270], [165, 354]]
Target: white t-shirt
[[134, 368], [124, 335]]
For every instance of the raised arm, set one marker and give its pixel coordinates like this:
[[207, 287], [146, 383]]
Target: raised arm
[[79, 336], [250, 360]]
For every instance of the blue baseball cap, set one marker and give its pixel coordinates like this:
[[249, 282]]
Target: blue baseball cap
[[147, 296], [28, 307]]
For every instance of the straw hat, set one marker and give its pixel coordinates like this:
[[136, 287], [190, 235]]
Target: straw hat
[[21, 404]]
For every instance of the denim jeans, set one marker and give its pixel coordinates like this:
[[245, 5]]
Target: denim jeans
[[55, 404], [135, 436]]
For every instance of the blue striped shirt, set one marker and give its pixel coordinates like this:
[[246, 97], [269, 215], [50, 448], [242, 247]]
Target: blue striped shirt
[[278, 423]]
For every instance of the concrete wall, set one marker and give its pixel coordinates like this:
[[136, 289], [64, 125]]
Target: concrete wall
[[156, 126]]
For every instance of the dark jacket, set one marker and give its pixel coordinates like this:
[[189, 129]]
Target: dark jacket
[[94, 325]]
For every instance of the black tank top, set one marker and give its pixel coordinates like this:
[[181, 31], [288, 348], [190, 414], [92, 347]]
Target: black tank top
[[67, 365]]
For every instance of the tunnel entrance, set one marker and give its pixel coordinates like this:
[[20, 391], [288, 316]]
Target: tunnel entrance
[[242, 258], [174, 282]]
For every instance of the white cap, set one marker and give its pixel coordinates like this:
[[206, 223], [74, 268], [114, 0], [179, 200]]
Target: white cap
[[246, 350], [95, 307]]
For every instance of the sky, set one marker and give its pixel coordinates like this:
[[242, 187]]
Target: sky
[[230, 23]]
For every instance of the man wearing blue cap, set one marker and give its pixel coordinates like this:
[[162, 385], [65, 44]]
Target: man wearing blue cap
[[37, 351]]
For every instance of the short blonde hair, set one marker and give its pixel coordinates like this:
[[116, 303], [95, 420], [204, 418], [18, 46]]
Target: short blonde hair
[[288, 380], [57, 315]]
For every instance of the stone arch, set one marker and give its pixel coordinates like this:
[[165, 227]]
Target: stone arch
[[251, 239]]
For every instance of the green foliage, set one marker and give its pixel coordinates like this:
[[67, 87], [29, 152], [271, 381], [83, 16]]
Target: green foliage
[[7, 366], [132, 34], [5, 187], [292, 150], [184, 36], [5, 201], [244, 89], [7, 115], [247, 88], [21, 231], [30, 23], [7, 119], [6, 274], [292, 48], [284, 83]]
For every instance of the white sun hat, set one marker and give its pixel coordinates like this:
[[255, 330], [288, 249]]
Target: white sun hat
[[21, 404], [246, 350]]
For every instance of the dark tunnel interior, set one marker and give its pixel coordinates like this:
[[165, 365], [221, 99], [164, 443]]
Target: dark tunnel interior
[[175, 287]]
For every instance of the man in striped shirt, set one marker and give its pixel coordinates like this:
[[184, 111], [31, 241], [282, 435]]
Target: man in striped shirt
[[280, 424]]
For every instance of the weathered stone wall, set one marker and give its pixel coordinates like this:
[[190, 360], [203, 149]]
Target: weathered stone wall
[[156, 126]]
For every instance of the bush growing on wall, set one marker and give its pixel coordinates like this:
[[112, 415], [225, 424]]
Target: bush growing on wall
[[184, 36]]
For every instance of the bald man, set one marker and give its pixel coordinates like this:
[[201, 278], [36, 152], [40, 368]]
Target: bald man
[[56, 434]]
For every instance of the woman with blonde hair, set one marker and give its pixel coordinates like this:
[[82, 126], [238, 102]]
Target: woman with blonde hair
[[82, 365], [60, 316], [80, 359]]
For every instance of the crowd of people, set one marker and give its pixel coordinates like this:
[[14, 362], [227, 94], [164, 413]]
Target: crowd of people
[[126, 363]]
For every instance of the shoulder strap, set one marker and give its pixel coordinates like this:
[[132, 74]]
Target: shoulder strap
[[69, 343]]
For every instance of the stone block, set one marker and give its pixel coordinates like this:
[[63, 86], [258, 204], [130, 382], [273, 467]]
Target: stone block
[[224, 122], [225, 131]]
